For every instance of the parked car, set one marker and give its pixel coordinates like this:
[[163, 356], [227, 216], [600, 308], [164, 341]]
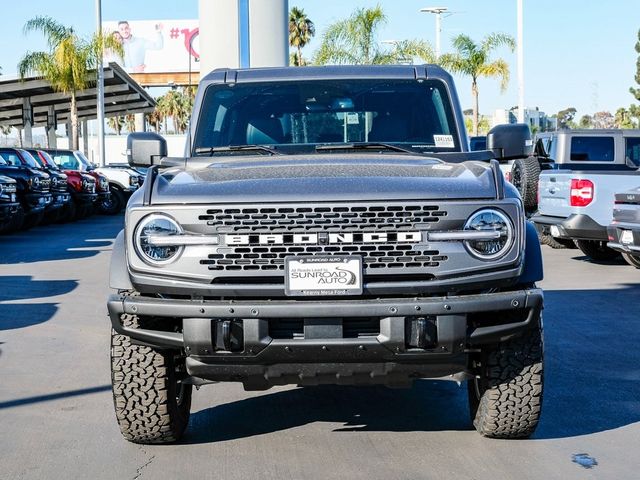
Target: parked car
[[624, 231], [59, 190], [329, 226], [122, 181], [577, 190], [9, 204], [32, 188], [81, 186]]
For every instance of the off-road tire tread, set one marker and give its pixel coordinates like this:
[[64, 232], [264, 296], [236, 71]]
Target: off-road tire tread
[[144, 391], [530, 176], [555, 243], [511, 403]]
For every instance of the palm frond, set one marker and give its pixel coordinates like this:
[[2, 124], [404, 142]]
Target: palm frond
[[496, 40], [496, 69], [53, 31]]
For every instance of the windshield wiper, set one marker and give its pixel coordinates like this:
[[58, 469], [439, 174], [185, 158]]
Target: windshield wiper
[[365, 146], [237, 148]]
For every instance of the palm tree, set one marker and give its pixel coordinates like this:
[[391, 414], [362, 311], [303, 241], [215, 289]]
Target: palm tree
[[68, 63], [473, 59], [354, 41], [116, 123], [155, 119], [130, 122], [301, 30]]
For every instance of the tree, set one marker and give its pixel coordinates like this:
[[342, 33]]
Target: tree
[[116, 123], [353, 41], [565, 118], [473, 59], [636, 91], [586, 121], [68, 63], [130, 122], [603, 120], [634, 112], [301, 31], [154, 119], [623, 119]]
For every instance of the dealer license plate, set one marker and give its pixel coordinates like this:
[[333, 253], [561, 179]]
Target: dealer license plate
[[323, 276], [626, 237]]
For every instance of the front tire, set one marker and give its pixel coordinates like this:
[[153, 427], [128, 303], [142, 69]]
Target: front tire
[[633, 260], [556, 243], [597, 250], [151, 405], [114, 204], [506, 400]]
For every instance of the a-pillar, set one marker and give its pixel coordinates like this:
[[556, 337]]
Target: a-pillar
[[50, 128], [27, 121]]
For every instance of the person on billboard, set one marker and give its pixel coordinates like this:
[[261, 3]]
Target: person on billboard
[[135, 48]]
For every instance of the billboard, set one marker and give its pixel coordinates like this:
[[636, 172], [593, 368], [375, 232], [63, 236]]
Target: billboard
[[155, 46]]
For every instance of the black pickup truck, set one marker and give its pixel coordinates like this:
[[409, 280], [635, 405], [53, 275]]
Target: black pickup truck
[[33, 189], [328, 226]]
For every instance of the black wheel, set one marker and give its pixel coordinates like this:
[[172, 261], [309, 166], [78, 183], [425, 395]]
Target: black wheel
[[151, 404], [525, 173], [31, 220], [633, 260], [554, 242], [505, 400], [597, 250], [114, 204]]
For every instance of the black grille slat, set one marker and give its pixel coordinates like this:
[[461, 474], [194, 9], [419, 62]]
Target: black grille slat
[[358, 219]]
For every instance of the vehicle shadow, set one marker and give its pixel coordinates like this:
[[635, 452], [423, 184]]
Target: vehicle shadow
[[22, 315], [429, 405], [592, 384], [75, 240], [23, 287]]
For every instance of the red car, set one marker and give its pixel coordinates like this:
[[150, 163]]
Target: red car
[[82, 187]]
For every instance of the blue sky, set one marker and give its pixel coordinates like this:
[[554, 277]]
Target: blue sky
[[578, 53]]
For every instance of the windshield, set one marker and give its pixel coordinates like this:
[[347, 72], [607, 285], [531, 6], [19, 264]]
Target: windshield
[[29, 160], [85, 161], [46, 158], [414, 114], [66, 160]]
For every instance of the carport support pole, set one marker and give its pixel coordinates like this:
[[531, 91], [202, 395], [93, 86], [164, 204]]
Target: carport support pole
[[26, 120], [85, 138], [100, 89], [51, 127]]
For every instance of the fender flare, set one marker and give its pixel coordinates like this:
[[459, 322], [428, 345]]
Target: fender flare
[[533, 269], [118, 272]]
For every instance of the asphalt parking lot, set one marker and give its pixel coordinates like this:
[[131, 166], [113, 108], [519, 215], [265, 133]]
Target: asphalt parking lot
[[57, 420]]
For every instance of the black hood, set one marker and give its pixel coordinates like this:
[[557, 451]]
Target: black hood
[[321, 178]]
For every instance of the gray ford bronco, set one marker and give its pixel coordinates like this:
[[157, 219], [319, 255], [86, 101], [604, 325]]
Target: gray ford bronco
[[327, 225]]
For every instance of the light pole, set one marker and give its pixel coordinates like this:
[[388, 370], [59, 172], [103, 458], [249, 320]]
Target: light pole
[[100, 88], [520, 54], [437, 11]]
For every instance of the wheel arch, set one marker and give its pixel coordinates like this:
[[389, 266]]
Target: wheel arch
[[533, 269], [118, 272]]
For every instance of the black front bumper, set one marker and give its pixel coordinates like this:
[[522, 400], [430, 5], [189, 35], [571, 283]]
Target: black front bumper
[[85, 198], [574, 227], [37, 202], [59, 200], [7, 210], [323, 354], [102, 197]]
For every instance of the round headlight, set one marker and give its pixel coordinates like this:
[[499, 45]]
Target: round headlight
[[490, 221], [157, 225]]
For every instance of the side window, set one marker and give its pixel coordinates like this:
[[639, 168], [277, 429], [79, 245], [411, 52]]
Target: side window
[[66, 162], [632, 150], [592, 149], [11, 158]]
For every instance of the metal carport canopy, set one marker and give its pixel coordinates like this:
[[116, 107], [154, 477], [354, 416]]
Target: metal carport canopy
[[122, 96]]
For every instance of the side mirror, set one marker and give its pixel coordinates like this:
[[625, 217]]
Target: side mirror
[[510, 141], [145, 149]]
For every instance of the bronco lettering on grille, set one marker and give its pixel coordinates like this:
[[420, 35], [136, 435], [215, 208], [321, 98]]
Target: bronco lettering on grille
[[322, 238]]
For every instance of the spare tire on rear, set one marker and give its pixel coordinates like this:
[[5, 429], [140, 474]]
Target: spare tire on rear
[[525, 173]]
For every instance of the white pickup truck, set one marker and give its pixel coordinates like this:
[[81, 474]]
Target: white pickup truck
[[576, 193]]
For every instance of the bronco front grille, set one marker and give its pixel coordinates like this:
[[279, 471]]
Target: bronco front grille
[[322, 218], [356, 218]]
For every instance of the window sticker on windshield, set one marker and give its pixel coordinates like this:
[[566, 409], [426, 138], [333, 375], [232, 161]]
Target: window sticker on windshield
[[352, 118], [443, 141]]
